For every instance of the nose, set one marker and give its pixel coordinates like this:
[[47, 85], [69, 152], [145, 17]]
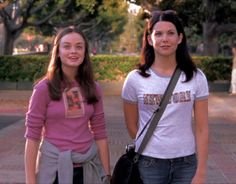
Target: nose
[[72, 49], [164, 37]]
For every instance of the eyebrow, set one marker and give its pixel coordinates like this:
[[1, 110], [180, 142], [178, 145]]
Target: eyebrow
[[162, 30], [78, 43]]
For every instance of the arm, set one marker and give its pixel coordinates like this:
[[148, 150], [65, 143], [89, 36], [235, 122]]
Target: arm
[[201, 132], [131, 118], [31, 152], [103, 151], [98, 127], [35, 118]]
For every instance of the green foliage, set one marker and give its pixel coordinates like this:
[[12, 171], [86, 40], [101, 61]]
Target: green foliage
[[106, 67], [196, 12], [22, 68], [140, 24], [112, 18], [127, 41], [99, 20], [76, 12], [88, 5], [216, 68], [114, 68]]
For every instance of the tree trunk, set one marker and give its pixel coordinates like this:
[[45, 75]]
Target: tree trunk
[[7, 41], [2, 38], [210, 37]]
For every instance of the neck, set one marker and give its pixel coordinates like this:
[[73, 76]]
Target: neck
[[70, 73], [164, 65]]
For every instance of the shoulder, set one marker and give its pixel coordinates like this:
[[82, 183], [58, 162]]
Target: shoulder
[[200, 85], [134, 74], [200, 74], [97, 85], [98, 88], [41, 85], [40, 91]]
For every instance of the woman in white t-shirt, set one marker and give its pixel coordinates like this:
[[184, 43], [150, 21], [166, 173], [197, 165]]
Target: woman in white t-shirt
[[233, 75], [177, 151]]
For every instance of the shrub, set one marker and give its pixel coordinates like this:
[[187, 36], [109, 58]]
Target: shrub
[[22, 68], [106, 67], [216, 68]]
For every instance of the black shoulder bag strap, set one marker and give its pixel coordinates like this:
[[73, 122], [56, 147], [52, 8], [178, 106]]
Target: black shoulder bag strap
[[158, 113]]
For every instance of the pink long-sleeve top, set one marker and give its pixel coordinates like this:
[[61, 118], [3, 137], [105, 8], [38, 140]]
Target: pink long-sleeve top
[[70, 123]]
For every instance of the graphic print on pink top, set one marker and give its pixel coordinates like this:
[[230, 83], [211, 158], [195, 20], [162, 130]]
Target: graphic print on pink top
[[73, 101]]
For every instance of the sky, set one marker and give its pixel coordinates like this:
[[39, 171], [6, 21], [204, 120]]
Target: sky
[[133, 8]]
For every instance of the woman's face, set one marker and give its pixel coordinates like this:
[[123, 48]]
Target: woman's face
[[164, 38], [72, 50]]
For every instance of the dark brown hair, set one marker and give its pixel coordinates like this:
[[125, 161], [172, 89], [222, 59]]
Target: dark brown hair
[[184, 61], [84, 76]]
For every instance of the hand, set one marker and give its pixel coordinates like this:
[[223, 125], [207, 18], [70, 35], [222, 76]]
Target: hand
[[109, 178], [199, 178]]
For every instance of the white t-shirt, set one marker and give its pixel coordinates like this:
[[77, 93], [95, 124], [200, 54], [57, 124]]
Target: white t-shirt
[[174, 136]]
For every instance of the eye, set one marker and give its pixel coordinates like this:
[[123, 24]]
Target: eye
[[79, 47], [158, 34], [171, 33], [66, 46]]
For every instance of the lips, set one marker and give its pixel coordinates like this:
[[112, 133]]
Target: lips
[[73, 57], [165, 47]]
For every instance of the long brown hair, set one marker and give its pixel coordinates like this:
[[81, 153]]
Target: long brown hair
[[84, 76]]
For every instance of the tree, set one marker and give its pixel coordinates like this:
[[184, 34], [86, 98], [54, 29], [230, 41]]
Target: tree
[[111, 20], [218, 20], [209, 18], [102, 21], [16, 16], [49, 15]]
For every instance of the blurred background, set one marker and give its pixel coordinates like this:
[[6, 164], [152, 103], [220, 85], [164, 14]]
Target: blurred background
[[114, 30], [114, 26]]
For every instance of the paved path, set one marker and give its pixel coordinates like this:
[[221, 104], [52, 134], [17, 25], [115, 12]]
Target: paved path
[[222, 121]]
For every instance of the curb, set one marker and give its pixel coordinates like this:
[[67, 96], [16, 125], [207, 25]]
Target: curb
[[109, 88], [219, 86]]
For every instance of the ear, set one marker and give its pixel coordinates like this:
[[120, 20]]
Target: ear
[[149, 39], [180, 38]]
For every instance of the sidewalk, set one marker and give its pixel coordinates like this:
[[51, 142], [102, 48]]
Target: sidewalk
[[222, 122]]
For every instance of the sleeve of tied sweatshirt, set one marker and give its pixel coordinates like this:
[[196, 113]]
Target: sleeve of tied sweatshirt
[[37, 110], [97, 121]]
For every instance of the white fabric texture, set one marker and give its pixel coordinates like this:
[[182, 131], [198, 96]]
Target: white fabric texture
[[174, 135]]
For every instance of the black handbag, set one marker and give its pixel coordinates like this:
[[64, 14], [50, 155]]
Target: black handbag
[[126, 169]]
